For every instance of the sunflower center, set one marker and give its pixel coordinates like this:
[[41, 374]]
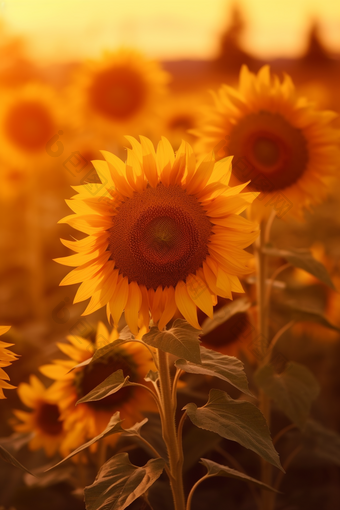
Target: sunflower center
[[159, 236], [48, 419], [227, 333], [271, 152], [29, 125], [181, 122], [266, 151], [95, 374], [117, 93]]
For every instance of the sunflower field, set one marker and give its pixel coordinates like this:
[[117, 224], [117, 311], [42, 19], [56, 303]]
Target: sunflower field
[[169, 258]]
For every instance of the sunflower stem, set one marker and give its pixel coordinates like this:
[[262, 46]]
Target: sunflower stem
[[264, 401], [101, 453], [170, 434]]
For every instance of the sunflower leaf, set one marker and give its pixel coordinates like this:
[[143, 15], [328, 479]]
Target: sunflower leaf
[[8, 457], [151, 376], [113, 383], [308, 314], [113, 427], [16, 441], [135, 429], [104, 351], [293, 390], [119, 483], [227, 368], [181, 340], [215, 469], [198, 442], [224, 313], [322, 442], [303, 259], [235, 420], [124, 336]]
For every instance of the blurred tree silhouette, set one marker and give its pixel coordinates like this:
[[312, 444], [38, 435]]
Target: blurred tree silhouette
[[316, 54], [231, 55]]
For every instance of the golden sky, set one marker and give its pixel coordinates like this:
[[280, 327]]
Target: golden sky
[[167, 29]]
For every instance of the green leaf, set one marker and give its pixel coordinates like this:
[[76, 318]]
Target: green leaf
[[113, 427], [323, 442], [303, 259], [110, 385], [227, 368], [151, 376], [308, 314], [215, 469], [119, 483], [124, 336], [293, 390], [235, 420], [8, 457], [135, 429], [181, 340], [224, 313]]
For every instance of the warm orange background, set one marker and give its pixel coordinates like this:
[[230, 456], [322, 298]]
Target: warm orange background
[[168, 29]]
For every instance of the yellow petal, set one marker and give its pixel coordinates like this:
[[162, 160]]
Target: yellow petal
[[102, 335], [185, 305], [199, 293], [169, 308], [103, 294], [133, 306], [4, 329], [119, 300]]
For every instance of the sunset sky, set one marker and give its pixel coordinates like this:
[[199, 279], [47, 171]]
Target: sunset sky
[[167, 29]]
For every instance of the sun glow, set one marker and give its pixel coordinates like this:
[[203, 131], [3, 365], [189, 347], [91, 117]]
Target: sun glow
[[168, 30]]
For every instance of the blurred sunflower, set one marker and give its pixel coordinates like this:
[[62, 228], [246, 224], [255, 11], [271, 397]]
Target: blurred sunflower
[[280, 141], [91, 418], [29, 117], [14, 181], [118, 94], [179, 114], [231, 337], [44, 420], [164, 235], [6, 359], [319, 296]]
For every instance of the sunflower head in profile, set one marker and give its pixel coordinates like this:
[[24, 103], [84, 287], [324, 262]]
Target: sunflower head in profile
[[232, 336], [280, 142], [86, 420], [29, 118], [44, 419], [120, 93], [165, 235], [6, 359]]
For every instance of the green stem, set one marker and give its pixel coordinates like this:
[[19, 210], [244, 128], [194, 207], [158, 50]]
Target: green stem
[[169, 432], [194, 487], [264, 401]]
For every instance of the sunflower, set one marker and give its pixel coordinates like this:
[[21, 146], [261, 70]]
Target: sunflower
[[180, 113], [118, 94], [91, 418], [44, 420], [6, 359], [164, 235], [318, 295], [287, 148], [232, 336], [29, 118], [14, 181]]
